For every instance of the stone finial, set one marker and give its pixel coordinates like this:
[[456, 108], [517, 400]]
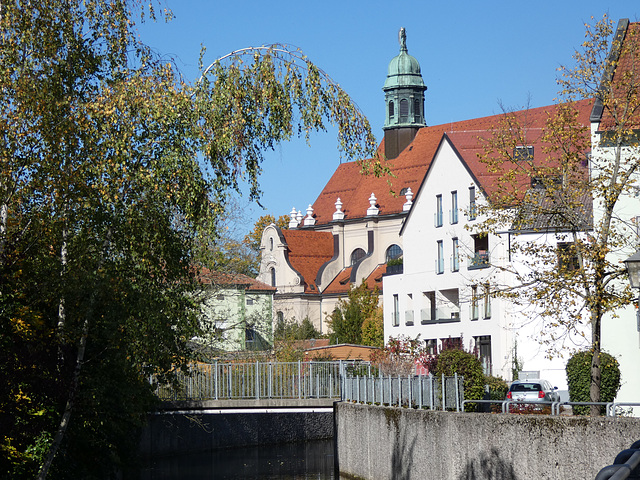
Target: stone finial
[[299, 216], [338, 214], [293, 222], [409, 196], [309, 220], [372, 210]]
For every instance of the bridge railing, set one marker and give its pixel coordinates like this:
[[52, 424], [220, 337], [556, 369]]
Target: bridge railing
[[421, 391], [260, 380]]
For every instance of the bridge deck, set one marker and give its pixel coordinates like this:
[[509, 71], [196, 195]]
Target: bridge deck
[[253, 404]]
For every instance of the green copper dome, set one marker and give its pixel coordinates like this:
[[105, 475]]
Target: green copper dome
[[404, 70]]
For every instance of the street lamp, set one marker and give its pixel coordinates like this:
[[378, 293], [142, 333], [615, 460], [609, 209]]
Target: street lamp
[[633, 269]]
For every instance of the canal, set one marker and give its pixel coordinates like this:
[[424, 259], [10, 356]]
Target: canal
[[299, 460]]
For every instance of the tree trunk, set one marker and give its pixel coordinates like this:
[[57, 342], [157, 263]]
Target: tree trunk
[[66, 416], [594, 389]]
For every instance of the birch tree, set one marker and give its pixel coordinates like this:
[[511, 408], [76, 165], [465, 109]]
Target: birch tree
[[115, 170]]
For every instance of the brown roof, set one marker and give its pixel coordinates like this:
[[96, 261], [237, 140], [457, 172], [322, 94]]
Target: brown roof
[[236, 280], [622, 103], [411, 165], [341, 284], [343, 351], [307, 252]]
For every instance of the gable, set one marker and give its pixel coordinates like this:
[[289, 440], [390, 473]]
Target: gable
[[411, 166]]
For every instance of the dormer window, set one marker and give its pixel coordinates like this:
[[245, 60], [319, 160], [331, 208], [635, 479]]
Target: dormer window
[[523, 154], [357, 255]]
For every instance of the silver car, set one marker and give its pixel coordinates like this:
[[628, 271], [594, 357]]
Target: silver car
[[536, 390]]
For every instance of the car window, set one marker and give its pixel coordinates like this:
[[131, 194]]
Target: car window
[[525, 387]]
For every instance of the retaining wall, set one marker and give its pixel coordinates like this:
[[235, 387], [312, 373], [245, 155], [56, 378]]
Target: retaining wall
[[378, 443], [175, 434]]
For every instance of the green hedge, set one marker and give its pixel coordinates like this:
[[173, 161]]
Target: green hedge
[[452, 361], [579, 379]]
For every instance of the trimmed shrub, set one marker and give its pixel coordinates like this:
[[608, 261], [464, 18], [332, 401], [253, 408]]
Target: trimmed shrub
[[579, 379], [453, 360]]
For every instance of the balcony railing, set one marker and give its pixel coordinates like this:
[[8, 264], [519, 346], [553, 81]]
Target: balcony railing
[[442, 315], [479, 260]]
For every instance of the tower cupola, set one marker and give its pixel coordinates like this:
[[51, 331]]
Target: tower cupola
[[404, 99]]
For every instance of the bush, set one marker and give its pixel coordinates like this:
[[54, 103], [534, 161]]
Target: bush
[[453, 360], [579, 379], [498, 387]]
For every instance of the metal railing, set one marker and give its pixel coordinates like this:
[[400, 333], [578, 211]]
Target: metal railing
[[260, 380], [610, 407], [625, 466], [422, 391]]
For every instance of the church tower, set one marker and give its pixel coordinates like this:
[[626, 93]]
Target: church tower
[[404, 99]]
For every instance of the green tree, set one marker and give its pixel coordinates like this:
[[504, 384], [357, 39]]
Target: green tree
[[373, 329], [579, 279], [115, 174], [348, 317]]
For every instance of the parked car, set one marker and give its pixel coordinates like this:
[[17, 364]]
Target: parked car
[[536, 390]]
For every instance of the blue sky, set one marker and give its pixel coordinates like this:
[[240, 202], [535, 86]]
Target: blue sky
[[474, 55]]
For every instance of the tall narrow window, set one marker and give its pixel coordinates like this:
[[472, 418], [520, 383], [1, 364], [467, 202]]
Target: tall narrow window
[[438, 214], [440, 259], [408, 313], [404, 110], [455, 257], [453, 216], [273, 277], [396, 311], [472, 203], [416, 111], [391, 109], [486, 304], [474, 303]]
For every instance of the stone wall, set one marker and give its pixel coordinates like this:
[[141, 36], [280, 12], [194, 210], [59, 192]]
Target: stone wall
[[393, 443], [175, 433]]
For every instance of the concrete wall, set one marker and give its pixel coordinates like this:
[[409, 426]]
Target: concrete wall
[[175, 433], [390, 443]]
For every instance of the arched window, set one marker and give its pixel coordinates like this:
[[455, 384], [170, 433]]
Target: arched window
[[416, 110], [357, 255], [391, 109], [273, 277], [393, 252], [404, 109], [271, 244]]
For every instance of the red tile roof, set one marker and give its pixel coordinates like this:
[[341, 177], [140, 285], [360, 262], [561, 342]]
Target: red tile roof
[[307, 252], [237, 280], [411, 165], [341, 284], [622, 105]]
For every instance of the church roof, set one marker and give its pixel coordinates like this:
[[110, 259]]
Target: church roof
[[307, 252], [342, 284], [410, 167]]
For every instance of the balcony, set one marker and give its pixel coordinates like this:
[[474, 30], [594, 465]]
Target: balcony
[[442, 315], [395, 269], [479, 260]]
